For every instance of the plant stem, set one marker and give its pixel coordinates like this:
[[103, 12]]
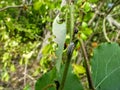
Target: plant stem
[[64, 74], [67, 64], [70, 26], [89, 77]]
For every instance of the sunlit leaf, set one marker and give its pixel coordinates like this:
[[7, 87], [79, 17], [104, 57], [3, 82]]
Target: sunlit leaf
[[86, 6], [79, 69], [12, 68], [84, 24], [5, 76], [37, 5], [93, 1], [87, 31], [83, 36]]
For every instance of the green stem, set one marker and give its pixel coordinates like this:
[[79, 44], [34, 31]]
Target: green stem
[[70, 26], [67, 64], [65, 74]]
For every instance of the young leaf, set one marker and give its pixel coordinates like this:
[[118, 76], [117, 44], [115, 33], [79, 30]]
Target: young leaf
[[106, 67]]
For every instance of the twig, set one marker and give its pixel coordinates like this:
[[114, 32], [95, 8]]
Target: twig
[[89, 77], [117, 2], [117, 36], [104, 31], [113, 21], [30, 77], [92, 35], [96, 13], [17, 6], [27, 57], [25, 72]]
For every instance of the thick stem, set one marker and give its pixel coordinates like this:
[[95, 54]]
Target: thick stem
[[67, 64], [64, 74]]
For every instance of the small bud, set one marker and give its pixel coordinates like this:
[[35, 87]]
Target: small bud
[[70, 49], [75, 31]]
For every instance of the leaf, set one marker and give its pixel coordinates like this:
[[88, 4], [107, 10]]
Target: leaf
[[92, 1], [106, 67], [46, 80], [87, 31], [27, 87], [72, 82], [12, 68], [37, 5], [79, 69], [84, 24], [59, 30], [83, 36], [86, 6]]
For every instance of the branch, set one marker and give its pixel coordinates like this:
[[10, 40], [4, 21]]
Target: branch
[[117, 36], [89, 77], [17, 6], [104, 31], [96, 13], [30, 77], [45, 42], [113, 21]]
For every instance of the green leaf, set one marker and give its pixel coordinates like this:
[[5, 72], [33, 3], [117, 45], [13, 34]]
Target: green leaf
[[59, 30], [106, 67], [92, 1], [87, 31], [84, 24], [72, 82], [87, 6], [12, 68], [37, 5], [83, 36], [27, 87], [46, 80], [5, 77]]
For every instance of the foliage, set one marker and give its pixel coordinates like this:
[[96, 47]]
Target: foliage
[[35, 35], [21, 34]]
